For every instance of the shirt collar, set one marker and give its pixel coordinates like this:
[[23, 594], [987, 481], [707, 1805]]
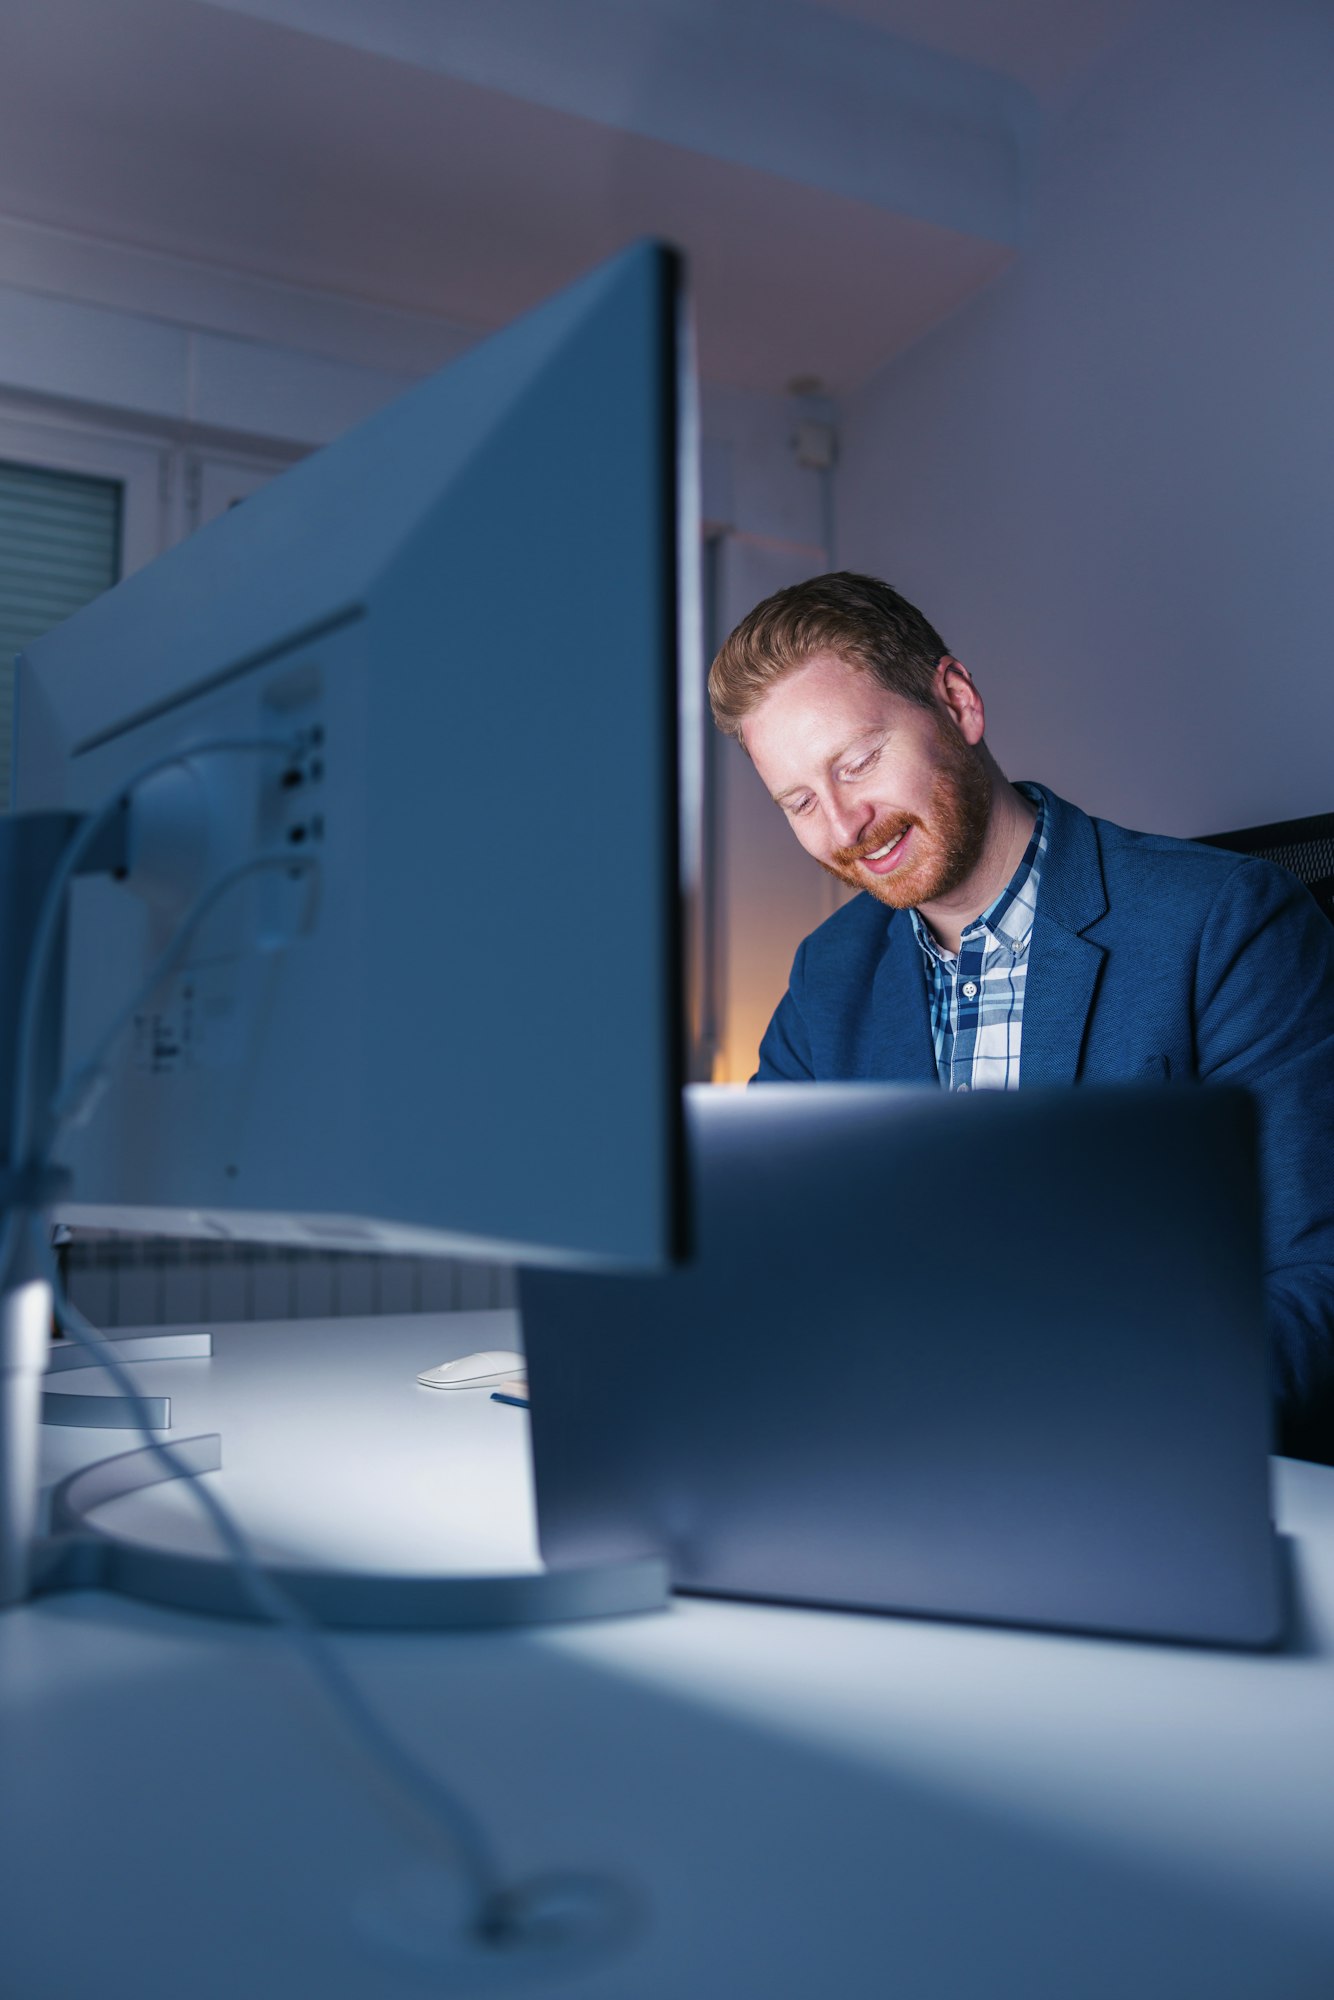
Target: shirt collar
[[1009, 919]]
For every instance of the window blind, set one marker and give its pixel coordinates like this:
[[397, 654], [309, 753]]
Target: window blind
[[59, 547]]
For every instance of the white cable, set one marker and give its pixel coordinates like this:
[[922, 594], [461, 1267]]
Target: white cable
[[430, 1804], [48, 922], [74, 1103]]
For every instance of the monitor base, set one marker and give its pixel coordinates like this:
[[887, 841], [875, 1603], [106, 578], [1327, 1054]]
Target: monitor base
[[81, 1555], [115, 1412]]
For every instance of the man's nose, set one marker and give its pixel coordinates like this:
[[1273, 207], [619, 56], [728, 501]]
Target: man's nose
[[850, 820]]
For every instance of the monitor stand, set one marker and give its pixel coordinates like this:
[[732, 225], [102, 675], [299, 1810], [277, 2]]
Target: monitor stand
[[114, 1412], [80, 1554]]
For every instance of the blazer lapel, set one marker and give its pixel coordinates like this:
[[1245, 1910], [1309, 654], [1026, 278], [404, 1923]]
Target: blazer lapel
[[900, 1044], [1063, 965], [1063, 971]]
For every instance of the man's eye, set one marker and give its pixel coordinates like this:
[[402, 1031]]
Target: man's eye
[[862, 764], [802, 805]]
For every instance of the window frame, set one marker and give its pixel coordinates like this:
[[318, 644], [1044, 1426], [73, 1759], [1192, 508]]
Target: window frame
[[138, 466]]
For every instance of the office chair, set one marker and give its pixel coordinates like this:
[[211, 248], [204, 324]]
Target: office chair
[[1305, 846]]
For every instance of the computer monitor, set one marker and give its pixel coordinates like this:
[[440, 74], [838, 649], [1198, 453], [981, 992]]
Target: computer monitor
[[456, 1021]]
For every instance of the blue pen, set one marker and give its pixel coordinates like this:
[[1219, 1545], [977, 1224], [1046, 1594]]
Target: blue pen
[[519, 1402]]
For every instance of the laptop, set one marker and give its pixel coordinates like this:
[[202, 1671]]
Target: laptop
[[995, 1356]]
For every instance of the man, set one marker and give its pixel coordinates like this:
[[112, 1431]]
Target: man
[[1001, 934]]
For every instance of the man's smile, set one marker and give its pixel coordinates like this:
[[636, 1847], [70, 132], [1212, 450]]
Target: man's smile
[[883, 859]]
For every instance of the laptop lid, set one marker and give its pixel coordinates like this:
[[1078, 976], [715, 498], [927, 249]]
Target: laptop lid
[[996, 1356]]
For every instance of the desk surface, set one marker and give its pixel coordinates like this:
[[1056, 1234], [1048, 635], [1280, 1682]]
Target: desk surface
[[817, 1804]]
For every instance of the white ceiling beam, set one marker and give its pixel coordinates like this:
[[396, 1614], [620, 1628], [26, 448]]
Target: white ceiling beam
[[793, 90]]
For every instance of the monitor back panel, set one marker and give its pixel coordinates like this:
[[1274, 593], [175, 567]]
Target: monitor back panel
[[455, 634], [998, 1356]]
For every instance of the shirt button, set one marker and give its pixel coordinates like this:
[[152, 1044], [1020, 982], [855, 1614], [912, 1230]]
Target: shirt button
[[970, 989]]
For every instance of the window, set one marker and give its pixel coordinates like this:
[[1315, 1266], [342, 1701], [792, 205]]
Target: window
[[60, 545]]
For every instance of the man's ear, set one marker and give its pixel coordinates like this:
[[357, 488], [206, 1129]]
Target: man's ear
[[960, 699]]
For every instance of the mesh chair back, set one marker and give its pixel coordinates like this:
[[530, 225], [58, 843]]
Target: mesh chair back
[[1305, 846]]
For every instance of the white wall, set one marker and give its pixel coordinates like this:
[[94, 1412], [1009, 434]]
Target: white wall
[[1109, 481], [190, 384], [769, 893]]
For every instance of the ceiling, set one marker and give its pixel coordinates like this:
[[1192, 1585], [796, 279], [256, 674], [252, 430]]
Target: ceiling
[[843, 173], [1046, 45]]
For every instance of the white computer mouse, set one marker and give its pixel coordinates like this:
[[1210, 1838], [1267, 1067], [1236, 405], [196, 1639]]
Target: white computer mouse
[[476, 1371]]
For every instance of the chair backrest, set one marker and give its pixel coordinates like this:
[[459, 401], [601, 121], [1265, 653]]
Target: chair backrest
[[1305, 846]]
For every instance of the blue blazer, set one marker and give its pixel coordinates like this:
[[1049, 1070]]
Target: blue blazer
[[1150, 959]]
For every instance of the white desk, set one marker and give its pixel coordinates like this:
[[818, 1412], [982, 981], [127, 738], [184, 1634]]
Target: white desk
[[819, 1805]]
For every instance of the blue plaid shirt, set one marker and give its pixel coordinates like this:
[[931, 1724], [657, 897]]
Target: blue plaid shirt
[[977, 998]]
